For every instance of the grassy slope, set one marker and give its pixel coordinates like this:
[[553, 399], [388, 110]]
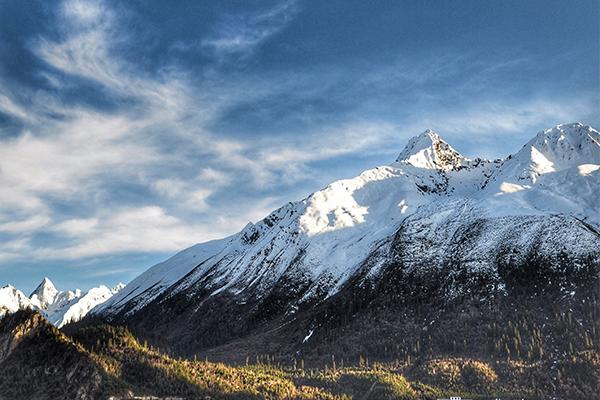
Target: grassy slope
[[38, 361], [146, 371]]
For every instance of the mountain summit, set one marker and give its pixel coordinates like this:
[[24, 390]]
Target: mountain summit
[[560, 148], [44, 295], [429, 150]]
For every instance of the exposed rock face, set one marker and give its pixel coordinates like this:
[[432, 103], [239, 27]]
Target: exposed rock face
[[430, 151]]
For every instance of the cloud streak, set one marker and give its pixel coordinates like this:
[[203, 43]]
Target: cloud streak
[[241, 34]]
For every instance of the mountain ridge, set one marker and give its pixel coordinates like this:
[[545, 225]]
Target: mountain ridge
[[60, 308], [321, 241]]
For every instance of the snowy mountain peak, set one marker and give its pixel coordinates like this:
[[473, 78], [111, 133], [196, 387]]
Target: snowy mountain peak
[[44, 286], [12, 299], [45, 294], [557, 149], [428, 150], [568, 137]]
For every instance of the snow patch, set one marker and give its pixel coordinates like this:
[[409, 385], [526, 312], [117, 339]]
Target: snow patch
[[587, 169], [310, 333], [506, 187]]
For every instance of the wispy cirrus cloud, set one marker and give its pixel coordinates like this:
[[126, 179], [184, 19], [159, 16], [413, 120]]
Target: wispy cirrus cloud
[[9, 107], [240, 34], [79, 156]]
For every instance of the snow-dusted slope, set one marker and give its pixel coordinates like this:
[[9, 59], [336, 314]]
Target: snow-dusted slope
[[558, 171], [322, 238], [313, 238], [147, 286], [58, 307], [320, 242], [75, 308]]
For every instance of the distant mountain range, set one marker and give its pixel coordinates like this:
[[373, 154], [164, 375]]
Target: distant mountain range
[[58, 307]]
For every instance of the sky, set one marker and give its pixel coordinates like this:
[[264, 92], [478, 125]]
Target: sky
[[130, 130]]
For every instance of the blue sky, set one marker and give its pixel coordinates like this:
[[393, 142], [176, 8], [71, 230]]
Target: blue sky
[[130, 130]]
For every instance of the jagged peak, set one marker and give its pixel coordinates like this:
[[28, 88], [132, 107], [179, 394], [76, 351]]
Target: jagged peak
[[12, 290], [574, 133], [45, 286], [428, 150], [560, 147], [45, 294], [12, 299]]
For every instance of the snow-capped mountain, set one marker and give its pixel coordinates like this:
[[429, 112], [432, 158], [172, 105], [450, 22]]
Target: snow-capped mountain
[[45, 295], [72, 306], [432, 224], [12, 299], [431, 191], [58, 307]]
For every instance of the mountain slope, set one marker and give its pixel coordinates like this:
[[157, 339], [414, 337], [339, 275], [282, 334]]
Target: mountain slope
[[311, 240], [38, 362], [411, 246]]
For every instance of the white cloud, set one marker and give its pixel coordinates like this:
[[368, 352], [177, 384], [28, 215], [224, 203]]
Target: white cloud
[[76, 226], [184, 193], [84, 11], [63, 163], [8, 106], [67, 158], [212, 175], [136, 229], [29, 224], [169, 187], [139, 229], [13, 248], [516, 116]]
